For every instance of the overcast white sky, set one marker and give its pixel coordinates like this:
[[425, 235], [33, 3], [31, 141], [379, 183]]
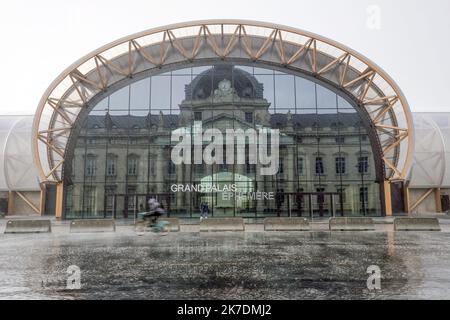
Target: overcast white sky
[[41, 38]]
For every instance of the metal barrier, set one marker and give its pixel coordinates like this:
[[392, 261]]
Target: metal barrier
[[416, 224], [28, 226], [286, 224], [351, 224], [222, 224], [92, 225]]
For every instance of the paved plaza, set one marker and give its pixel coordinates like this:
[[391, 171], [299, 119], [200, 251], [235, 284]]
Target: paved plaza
[[249, 265]]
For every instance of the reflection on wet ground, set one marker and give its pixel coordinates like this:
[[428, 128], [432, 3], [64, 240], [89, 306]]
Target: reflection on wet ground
[[312, 265]]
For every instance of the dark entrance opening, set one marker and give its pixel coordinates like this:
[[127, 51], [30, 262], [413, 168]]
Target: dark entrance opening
[[445, 202], [398, 198], [50, 200]]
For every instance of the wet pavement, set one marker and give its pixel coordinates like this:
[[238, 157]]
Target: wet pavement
[[250, 265]]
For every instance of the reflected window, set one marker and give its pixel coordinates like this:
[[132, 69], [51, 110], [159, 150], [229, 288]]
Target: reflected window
[[171, 168], [132, 165], [110, 191], [340, 140], [111, 166], [281, 166], [301, 166], [131, 192], [90, 199], [363, 195], [199, 169], [250, 168], [69, 199], [363, 164], [249, 117], [340, 165], [319, 166], [91, 166], [342, 194], [198, 116]]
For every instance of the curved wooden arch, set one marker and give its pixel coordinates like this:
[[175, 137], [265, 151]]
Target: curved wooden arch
[[218, 40]]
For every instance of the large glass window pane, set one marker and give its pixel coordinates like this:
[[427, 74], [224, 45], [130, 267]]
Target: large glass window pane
[[285, 92], [198, 70], [140, 94], [246, 69], [343, 104], [102, 105], [160, 92], [123, 157], [179, 84], [305, 93], [326, 99], [268, 85], [327, 111], [119, 100], [182, 72]]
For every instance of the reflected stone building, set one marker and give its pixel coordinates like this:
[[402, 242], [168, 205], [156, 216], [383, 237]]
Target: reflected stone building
[[101, 140], [122, 154]]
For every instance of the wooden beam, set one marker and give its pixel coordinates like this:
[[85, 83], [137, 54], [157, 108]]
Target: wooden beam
[[54, 169], [421, 199], [304, 48], [59, 200], [59, 110], [197, 45], [388, 198], [385, 126], [58, 151], [378, 101], [232, 42], [361, 77], [81, 77], [265, 46], [108, 64], [80, 93], [390, 165], [247, 46], [385, 110], [396, 143], [11, 206], [146, 56], [336, 62], [28, 202], [177, 45], [368, 85], [55, 130], [344, 73], [437, 198], [407, 200], [42, 199]]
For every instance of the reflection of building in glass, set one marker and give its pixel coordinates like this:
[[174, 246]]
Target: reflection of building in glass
[[100, 141], [122, 153]]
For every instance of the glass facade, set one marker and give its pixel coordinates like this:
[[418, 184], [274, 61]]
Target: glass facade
[[122, 154]]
